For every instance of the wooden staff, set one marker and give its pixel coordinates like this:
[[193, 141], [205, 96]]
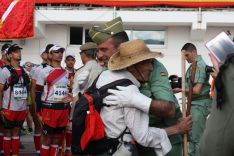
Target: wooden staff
[[185, 138], [193, 71]]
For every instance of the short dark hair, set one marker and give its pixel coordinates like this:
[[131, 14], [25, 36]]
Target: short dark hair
[[189, 47], [48, 46], [5, 46], [13, 48], [119, 38], [171, 77], [91, 53]]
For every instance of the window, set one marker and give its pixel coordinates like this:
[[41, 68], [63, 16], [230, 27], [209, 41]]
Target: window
[[76, 35], [152, 38], [87, 37]]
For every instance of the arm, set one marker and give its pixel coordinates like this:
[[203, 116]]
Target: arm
[[137, 122], [1, 94], [137, 100], [75, 98], [33, 96], [79, 81], [159, 88], [196, 89], [163, 108]]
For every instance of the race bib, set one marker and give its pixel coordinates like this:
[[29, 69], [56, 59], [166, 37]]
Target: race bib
[[60, 92], [20, 92]]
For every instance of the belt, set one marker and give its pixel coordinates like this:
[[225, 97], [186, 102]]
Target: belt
[[57, 106], [202, 97]]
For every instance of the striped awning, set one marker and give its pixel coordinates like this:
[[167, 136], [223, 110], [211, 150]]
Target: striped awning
[[131, 3]]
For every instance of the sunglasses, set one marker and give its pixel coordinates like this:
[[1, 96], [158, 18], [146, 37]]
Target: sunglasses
[[57, 51]]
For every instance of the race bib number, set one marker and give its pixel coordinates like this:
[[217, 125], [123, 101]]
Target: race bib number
[[60, 92], [20, 92]]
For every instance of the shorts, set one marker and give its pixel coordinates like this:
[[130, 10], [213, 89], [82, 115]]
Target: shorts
[[38, 102], [13, 118], [55, 118], [47, 130]]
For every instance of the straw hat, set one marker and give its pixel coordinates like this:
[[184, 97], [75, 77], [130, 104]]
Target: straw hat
[[130, 53]]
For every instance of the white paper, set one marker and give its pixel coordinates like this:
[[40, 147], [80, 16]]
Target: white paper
[[221, 46]]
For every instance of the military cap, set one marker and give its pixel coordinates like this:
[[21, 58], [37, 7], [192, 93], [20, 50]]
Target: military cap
[[88, 45], [103, 32]]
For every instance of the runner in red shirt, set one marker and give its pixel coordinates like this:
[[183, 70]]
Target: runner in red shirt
[[14, 87], [52, 81]]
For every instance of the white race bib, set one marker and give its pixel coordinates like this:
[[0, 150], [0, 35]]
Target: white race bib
[[60, 91], [20, 92]]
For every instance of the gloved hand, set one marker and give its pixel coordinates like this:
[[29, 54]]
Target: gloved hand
[[129, 96]]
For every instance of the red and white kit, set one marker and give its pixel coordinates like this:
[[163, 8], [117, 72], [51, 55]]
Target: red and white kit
[[53, 84], [14, 98]]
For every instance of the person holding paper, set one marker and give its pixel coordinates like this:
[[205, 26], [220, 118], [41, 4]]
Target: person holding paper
[[217, 138]]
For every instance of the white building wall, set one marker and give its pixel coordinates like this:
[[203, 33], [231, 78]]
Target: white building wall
[[177, 36], [52, 26]]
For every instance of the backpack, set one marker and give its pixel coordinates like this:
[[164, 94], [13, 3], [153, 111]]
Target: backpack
[[15, 78], [87, 127]]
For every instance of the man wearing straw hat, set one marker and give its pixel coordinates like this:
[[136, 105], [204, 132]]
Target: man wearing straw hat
[[108, 37], [132, 61]]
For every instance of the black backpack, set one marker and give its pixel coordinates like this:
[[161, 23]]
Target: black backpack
[[79, 116], [15, 78]]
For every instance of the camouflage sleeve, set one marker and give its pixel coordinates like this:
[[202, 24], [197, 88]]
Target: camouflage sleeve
[[159, 83], [200, 76]]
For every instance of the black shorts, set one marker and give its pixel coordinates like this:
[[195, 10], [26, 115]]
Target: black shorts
[[7, 124], [47, 130], [1, 122], [38, 102]]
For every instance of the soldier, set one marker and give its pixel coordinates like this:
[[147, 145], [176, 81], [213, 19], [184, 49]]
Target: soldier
[[108, 37], [201, 100], [14, 87], [89, 71]]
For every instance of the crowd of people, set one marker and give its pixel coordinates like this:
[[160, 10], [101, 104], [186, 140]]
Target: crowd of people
[[145, 114]]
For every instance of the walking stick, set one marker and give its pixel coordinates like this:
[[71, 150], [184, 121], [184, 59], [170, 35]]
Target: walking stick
[[185, 138], [193, 71]]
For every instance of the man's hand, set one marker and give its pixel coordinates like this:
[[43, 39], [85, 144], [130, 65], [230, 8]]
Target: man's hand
[[176, 90], [38, 120], [68, 98], [184, 125], [129, 96]]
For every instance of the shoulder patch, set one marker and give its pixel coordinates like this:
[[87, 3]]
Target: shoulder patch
[[163, 74]]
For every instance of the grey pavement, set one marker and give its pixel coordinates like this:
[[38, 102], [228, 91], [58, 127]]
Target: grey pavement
[[28, 146]]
